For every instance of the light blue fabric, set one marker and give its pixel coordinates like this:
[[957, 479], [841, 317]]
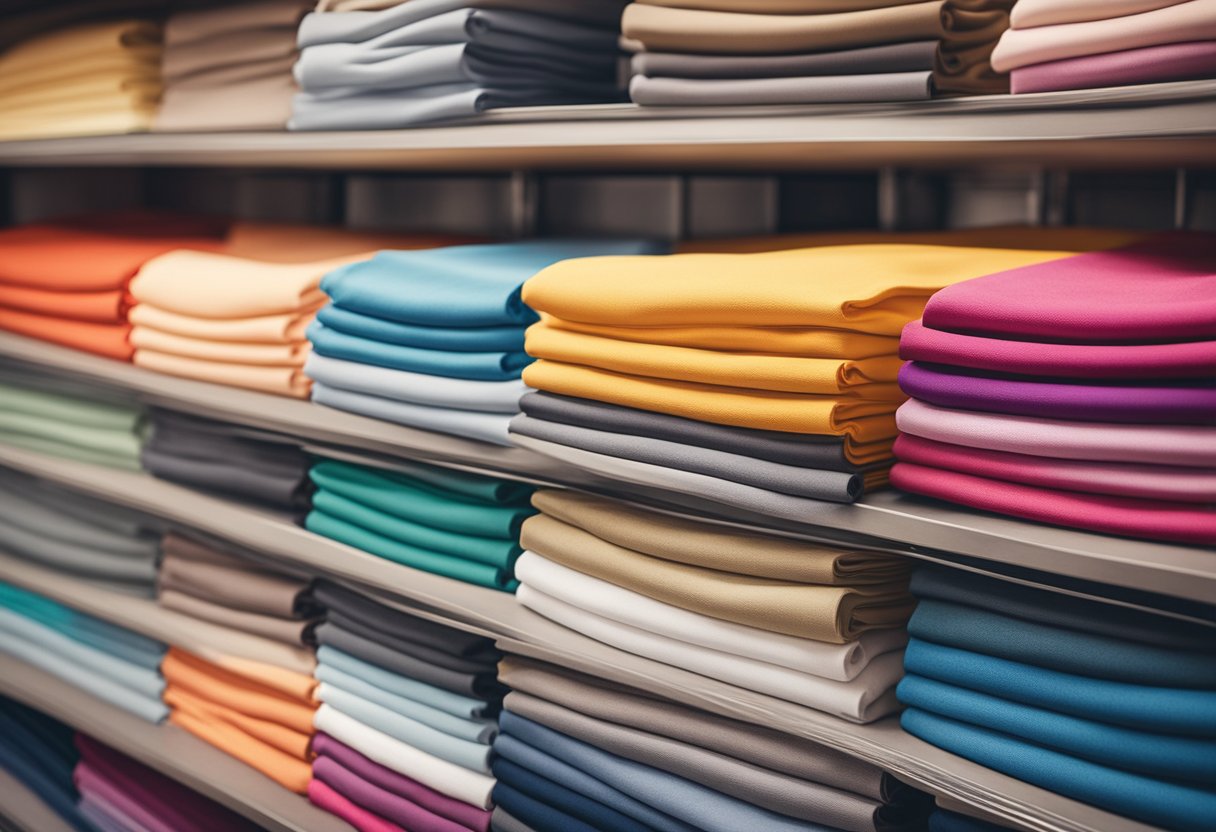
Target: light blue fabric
[[477, 366], [1068, 651], [1155, 709], [464, 707], [102, 635], [702, 807], [471, 424], [508, 338], [525, 756], [417, 388], [1155, 755], [1169, 805], [471, 755], [481, 730]]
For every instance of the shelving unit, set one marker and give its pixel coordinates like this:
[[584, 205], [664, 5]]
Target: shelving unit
[[24, 811]]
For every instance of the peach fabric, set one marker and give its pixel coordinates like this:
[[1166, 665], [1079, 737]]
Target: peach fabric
[[288, 354], [264, 329], [283, 381]]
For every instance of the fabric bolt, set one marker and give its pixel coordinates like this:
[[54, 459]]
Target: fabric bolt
[[1146, 65], [481, 426], [507, 337], [735, 92], [416, 388], [102, 307], [895, 57], [561, 799], [971, 30], [344, 669], [283, 381], [475, 366], [865, 698], [1183, 359], [198, 570], [1031, 13]]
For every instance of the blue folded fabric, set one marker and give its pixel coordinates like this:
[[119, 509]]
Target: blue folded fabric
[[478, 366], [60, 800], [465, 707], [1155, 709], [25, 740], [571, 778], [699, 806], [460, 286], [509, 338], [563, 799], [470, 424], [1155, 755], [1169, 805], [945, 821], [535, 814], [1069, 651]]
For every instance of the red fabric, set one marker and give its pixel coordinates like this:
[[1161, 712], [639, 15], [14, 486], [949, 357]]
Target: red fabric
[[104, 307], [109, 340]]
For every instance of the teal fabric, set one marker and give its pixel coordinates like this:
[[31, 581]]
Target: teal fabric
[[475, 487], [1143, 707], [477, 366], [330, 659], [455, 339]]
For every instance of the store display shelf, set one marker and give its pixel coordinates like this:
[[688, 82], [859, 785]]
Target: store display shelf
[[1126, 126], [168, 749], [21, 810]]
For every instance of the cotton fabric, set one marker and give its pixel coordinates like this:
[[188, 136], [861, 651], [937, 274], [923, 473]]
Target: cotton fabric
[[1146, 65]]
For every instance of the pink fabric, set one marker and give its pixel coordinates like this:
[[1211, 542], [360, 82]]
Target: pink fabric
[[1148, 519], [90, 782], [1160, 290], [1152, 482], [1187, 359], [106, 816], [1149, 65], [334, 803], [1027, 14], [1190, 446]]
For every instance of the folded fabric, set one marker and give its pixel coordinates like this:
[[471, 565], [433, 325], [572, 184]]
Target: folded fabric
[[265, 329], [286, 630], [1146, 65], [290, 355], [1191, 446], [283, 381], [867, 697], [375, 802], [1183, 359], [1153, 801], [37, 750], [971, 30], [102, 307], [1030, 13], [561, 799], [501, 338], [416, 388], [212, 683], [196, 569], [289, 772], [480, 366], [943, 820], [1067, 651], [535, 814], [1193, 20], [344, 669], [733, 92], [70, 426], [481, 426], [282, 739], [1148, 519], [109, 340], [887, 58]]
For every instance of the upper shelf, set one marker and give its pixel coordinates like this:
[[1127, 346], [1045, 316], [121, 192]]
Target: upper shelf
[[1158, 125]]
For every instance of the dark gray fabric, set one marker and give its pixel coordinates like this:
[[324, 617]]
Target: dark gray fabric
[[409, 648], [760, 473], [502, 821], [826, 89], [895, 57]]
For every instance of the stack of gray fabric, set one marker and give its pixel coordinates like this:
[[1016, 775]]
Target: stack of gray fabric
[[389, 65]]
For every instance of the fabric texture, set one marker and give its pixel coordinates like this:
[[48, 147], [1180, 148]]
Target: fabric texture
[[1146, 65]]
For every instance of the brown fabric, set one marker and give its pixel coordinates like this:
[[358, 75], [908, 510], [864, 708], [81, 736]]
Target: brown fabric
[[287, 630], [718, 548], [220, 578], [971, 31]]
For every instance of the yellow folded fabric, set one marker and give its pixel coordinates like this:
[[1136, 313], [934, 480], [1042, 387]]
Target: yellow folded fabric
[[861, 420], [287, 354], [869, 378], [264, 329], [822, 613], [718, 547], [65, 47], [282, 381]]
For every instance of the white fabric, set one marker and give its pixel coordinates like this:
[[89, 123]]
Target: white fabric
[[417, 388], [444, 777], [1030, 13], [840, 662], [867, 697], [486, 427]]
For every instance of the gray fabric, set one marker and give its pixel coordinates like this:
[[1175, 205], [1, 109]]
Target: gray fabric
[[407, 646], [77, 558], [501, 821], [764, 747], [818, 484], [809, 451], [826, 89], [416, 388], [895, 57], [39, 512], [485, 427]]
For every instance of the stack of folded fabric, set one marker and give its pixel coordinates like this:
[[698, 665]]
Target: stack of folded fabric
[[406, 63], [69, 424], [1107, 705], [1075, 44], [118, 794], [737, 379], [1031, 400], [409, 711], [435, 339], [253, 466], [77, 536], [811, 624], [38, 751], [66, 281], [462, 526], [212, 585], [229, 67], [971, 30], [577, 753], [108, 662], [83, 80], [943, 820]]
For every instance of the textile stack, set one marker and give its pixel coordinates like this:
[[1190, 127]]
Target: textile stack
[[409, 712], [1031, 401], [39, 752], [76, 423]]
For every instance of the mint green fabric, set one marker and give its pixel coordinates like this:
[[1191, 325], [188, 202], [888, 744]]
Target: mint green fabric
[[74, 428]]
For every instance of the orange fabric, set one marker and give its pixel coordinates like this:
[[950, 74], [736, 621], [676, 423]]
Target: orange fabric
[[289, 772], [293, 683], [212, 683], [103, 307], [109, 340], [277, 736]]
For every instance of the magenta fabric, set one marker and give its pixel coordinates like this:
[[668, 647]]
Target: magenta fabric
[[1187, 359], [1148, 519], [968, 390], [410, 791], [1147, 65], [1159, 290], [1152, 482], [380, 802], [1190, 446], [334, 803], [91, 782], [98, 811]]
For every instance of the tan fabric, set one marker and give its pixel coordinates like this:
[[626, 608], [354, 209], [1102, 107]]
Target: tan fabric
[[662, 29], [261, 104], [282, 381], [288, 354], [972, 30], [266, 329], [287, 630], [224, 579], [822, 613], [716, 547]]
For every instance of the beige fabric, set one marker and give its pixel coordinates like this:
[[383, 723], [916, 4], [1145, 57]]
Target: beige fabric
[[204, 572], [272, 355], [282, 381], [779, 6], [266, 329], [286, 630]]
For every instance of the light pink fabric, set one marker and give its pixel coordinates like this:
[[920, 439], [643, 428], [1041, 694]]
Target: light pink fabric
[[1190, 21], [1030, 13], [1190, 446], [1149, 65], [1150, 519]]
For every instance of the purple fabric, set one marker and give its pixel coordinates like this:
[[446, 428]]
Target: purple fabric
[[1147, 65], [91, 783], [105, 816], [1056, 400], [1159, 290], [408, 797]]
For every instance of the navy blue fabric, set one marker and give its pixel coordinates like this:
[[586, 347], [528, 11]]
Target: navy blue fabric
[[508, 338], [1143, 707], [38, 751], [535, 814], [1173, 806], [1069, 651], [944, 821], [478, 366], [564, 800]]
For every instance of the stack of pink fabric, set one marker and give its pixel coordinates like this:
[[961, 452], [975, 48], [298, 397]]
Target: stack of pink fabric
[[1084, 44]]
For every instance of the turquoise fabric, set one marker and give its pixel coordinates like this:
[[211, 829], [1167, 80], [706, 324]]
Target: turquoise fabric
[[477, 366], [464, 707], [455, 339]]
